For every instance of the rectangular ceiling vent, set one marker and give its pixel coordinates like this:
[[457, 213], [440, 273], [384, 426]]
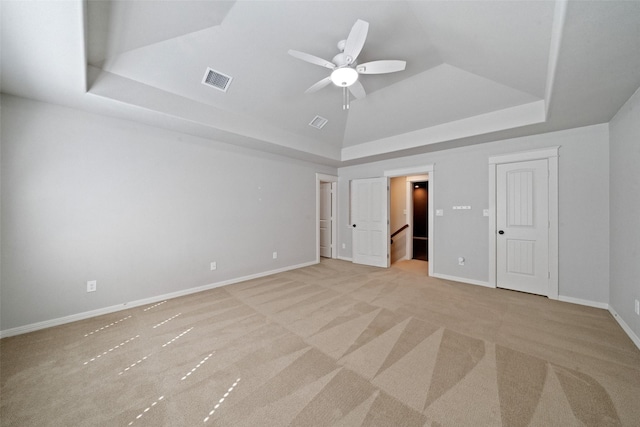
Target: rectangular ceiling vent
[[318, 122], [216, 79]]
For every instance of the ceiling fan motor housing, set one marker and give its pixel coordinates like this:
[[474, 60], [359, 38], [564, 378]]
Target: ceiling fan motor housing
[[341, 60]]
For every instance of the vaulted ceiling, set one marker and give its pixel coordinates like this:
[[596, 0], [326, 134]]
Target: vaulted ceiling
[[476, 70]]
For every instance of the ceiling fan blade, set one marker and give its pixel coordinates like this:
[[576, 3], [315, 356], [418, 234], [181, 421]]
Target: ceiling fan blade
[[312, 59], [381, 67], [357, 90], [355, 41], [319, 85]]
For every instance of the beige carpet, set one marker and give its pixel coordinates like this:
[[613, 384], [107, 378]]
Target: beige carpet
[[329, 345], [413, 266]]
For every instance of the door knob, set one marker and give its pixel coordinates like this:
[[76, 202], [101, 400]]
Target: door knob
[[500, 232], [354, 226]]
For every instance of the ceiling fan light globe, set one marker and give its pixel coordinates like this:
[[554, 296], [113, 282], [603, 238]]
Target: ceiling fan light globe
[[344, 77]]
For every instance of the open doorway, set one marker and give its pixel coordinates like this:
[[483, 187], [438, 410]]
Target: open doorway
[[410, 210], [399, 227], [326, 216], [417, 206]]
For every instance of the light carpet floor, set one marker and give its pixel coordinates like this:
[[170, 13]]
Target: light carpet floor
[[333, 344]]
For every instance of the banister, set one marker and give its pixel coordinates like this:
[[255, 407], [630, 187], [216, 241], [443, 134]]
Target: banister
[[398, 231]]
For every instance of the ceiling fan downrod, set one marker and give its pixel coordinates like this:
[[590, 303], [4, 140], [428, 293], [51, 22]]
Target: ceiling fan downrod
[[345, 98]]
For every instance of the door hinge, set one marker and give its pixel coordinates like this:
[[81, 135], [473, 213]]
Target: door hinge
[[548, 275]]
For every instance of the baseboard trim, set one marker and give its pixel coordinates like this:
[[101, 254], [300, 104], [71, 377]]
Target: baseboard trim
[[625, 327], [132, 304], [462, 280], [344, 258], [586, 302]]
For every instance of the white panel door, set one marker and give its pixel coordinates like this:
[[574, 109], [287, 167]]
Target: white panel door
[[522, 223], [369, 219], [325, 219]]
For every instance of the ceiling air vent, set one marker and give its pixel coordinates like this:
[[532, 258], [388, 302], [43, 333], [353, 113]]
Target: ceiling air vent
[[318, 122], [216, 79]]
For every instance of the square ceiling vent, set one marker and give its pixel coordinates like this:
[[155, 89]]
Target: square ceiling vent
[[318, 122], [216, 79]]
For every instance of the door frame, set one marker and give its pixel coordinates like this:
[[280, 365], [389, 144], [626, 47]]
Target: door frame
[[428, 169], [334, 213], [551, 155]]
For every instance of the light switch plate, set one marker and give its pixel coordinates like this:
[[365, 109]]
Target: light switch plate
[[439, 212], [92, 285]]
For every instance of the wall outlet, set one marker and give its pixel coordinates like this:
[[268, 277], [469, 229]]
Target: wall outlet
[[460, 261], [638, 307], [214, 265], [344, 246], [92, 285], [275, 255]]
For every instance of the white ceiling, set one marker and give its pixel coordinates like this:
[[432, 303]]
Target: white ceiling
[[476, 70]]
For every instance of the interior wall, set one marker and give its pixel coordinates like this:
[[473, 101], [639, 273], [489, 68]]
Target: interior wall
[[142, 210], [397, 217], [462, 178], [625, 212]]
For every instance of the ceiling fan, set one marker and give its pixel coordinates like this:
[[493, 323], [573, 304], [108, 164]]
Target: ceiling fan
[[345, 71]]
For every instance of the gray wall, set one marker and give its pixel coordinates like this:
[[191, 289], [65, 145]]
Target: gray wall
[[461, 177], [144, 211], [141, 210], [625, 211]]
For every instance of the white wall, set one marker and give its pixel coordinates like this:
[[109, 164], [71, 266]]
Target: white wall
[[625, 212], [461, 178], [397, 217], [141, 210]]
